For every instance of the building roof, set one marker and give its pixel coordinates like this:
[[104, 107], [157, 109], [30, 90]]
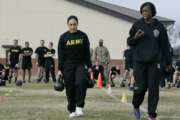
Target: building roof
[[117, 11]]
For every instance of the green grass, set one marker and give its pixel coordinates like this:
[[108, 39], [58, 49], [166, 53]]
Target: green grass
[[40, 102]]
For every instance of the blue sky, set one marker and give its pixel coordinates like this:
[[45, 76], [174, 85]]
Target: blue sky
[[165, 8]]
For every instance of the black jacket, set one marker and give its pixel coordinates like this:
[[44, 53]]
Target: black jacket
[[74, 48], [128, 54], [153, 46]]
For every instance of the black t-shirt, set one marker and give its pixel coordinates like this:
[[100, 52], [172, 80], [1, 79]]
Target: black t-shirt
[[14, 54], [74, 48], [40, 51], [49, 60], [25, 51]]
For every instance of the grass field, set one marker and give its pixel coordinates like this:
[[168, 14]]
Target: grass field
[[40, 102]]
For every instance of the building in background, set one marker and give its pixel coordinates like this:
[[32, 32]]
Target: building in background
[[33, 20]]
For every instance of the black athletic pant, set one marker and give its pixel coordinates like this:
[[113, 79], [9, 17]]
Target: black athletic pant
[[147, 77], [50, 69], [76, 81]]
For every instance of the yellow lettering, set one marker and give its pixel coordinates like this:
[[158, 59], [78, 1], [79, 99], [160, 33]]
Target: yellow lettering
[[78, 42], [68, 43], [74, 42]]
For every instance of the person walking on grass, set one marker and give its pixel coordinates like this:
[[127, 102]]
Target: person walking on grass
[[74, 64], [150, 43]]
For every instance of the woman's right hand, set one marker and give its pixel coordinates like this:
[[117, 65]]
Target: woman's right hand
[[139, 34]]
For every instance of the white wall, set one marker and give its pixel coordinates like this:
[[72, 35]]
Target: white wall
[[34, 20]]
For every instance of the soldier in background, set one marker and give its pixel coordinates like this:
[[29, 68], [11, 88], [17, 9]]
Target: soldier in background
[[114, 73], [102, 55], [96, 69], [7, 70], [13, 60], [26, 61], [2, 82], [128, 67], [40, 52], [50, 63]]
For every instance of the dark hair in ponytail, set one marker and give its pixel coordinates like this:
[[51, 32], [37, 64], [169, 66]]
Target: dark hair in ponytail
[[72, 17]]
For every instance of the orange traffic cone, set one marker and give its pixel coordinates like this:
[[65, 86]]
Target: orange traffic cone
[[99, 81]]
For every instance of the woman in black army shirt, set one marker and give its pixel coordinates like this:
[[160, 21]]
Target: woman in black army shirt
[[74, 64]]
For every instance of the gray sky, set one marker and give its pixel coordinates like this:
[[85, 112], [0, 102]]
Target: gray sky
[[165, 8]]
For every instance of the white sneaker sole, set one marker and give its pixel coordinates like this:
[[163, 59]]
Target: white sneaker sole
[[72, 116], [79, 115]]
